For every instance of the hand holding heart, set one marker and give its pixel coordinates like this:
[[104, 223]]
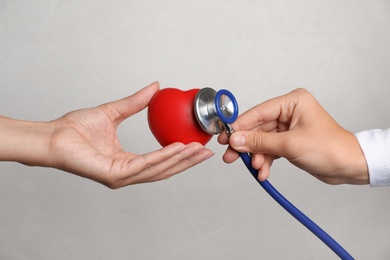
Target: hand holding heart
[[85, 142]]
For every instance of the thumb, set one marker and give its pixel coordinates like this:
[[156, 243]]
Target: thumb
[[128, 106], [259, 142]]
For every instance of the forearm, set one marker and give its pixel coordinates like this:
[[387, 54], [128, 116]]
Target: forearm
[[25, 142]]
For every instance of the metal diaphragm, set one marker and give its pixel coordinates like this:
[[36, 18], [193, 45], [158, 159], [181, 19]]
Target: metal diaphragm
[[205, 112]]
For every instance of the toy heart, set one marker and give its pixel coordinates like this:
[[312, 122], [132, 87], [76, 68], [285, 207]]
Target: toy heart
[[171, 117]]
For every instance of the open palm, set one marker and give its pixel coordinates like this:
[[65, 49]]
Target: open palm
[[85, 143]]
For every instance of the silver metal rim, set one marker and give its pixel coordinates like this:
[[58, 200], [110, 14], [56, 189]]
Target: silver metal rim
[[205, 111]]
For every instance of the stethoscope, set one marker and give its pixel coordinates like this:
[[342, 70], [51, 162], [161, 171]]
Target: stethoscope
[[215, 111]]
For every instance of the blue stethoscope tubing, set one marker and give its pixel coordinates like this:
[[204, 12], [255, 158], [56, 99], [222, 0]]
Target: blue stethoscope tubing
[[296, 213], [288, 206]]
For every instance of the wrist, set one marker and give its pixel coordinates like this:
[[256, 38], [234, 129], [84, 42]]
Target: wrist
[[354, 167], [25, 142]]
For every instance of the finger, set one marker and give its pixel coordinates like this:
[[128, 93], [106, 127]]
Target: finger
[[262, 142], [230, 155], [130, 165], [263, 117], [258, 160], [187, 160], [125, 107], [276, 109], [265, 112], [223, 138], [265, 170], [142, 162], [262, 162], [165, 166], [192, 155]]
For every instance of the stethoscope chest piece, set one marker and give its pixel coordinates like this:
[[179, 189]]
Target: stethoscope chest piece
[[213, 108]]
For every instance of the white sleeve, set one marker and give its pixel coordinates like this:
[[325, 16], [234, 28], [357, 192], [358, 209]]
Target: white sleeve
[[375, 145]]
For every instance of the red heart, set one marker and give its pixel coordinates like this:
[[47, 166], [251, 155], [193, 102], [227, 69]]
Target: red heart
[[172, 118]]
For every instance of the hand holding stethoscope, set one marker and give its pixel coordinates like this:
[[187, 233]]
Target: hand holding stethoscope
[[215, 111]]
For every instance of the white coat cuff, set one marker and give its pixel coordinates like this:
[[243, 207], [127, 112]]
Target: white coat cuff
[[373, 145]]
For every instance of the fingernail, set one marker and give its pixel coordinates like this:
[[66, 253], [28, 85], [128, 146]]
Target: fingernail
[[237, 140], [208, 155]]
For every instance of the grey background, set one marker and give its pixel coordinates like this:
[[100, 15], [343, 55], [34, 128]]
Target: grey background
[[57, 56]]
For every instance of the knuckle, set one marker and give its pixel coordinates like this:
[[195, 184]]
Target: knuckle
[[256, 142], [301, 91], [112, 183], [111, 186]]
